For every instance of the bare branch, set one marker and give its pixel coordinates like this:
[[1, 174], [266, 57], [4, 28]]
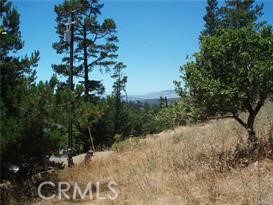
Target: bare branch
[[260, 103], [236, 117]]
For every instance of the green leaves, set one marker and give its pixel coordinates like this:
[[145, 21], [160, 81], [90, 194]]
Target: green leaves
[[233, 67]]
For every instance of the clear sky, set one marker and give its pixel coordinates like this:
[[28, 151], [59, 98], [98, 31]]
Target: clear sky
[[154, 38]]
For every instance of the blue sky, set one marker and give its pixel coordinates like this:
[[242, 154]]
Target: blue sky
[[154, 38]]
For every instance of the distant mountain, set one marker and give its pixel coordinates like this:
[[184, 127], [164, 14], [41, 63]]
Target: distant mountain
[[153, 98], [154, 95]]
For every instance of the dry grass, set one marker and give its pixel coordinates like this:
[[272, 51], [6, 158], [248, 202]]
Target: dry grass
[[182, 166]]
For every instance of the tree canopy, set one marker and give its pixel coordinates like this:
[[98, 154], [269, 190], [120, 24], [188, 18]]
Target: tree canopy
[[233, 71]]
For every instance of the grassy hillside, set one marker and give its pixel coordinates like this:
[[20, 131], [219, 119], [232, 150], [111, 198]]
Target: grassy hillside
[[200, 164]]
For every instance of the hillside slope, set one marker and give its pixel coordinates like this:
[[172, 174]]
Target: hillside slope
[[196, 164]]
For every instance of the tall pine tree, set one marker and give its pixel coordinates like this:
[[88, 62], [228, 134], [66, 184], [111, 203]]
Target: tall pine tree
[[16, 72], [17, 77], [240, 13], [212, 20], [119, 87], [95, 41]]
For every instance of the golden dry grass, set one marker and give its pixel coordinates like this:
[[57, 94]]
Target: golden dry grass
[[181, 166]]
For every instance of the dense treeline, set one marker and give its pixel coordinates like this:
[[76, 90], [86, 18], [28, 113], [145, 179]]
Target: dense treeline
[[232, 73]]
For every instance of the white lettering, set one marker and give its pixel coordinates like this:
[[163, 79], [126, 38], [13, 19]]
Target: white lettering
[[41, 195], [113, 190], [88, 188], [63, 190]]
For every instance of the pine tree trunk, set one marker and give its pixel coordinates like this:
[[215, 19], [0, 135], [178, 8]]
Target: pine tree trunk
[[86, 79]]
